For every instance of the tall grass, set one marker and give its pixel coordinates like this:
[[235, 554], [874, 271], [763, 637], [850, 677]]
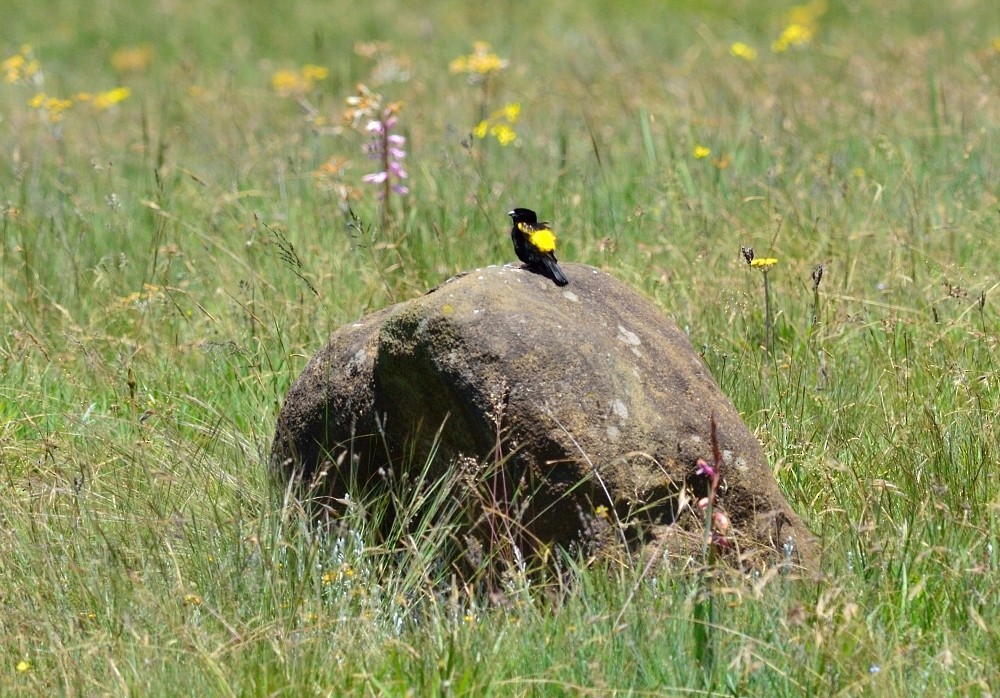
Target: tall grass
[[171, 262]]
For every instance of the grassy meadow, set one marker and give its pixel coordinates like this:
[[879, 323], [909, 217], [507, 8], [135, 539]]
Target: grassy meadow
[[184, 218]]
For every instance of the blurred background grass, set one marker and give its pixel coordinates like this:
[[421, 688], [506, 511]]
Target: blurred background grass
[[171, 260]]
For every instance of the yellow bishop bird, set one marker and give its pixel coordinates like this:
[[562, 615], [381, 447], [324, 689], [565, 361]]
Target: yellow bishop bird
[[535, 244]]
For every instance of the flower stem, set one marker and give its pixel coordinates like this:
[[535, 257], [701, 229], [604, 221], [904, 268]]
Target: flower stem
[[387, 184], [768, 321]]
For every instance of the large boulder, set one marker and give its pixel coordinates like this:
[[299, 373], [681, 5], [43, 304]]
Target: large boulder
[[587, 401]]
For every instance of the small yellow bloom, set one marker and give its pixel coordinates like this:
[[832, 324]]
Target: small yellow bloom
[[314, 73], [20, 67], [794, 34], [329, 577], [192, 600], [505, 135], [291, 82], [106, 100], [601, 512], [701, 152], [132, 59], [744, 51], [480, 62], [500, 124], [764, 263], [23, 666], [52, 108], [12, 68], [288, 82]]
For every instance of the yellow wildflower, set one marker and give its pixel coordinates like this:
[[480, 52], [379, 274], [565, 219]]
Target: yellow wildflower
[[512, 112], [288, 82], [132, 59], [800, 26], [106, 100], [792, 35], [329, 577], [23, 666], [192, 600], [601, 512], [12, 68], [20, 67], [51, 108], [314, 73], [763, 263], [480, 62], [504, 133], [296, 82], [500, 124], [701, 152], [744, 51]]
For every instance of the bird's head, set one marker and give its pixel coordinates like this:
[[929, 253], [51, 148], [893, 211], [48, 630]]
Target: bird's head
[[523, 215]]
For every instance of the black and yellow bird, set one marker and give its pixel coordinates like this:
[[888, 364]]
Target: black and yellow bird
[[535, 244]]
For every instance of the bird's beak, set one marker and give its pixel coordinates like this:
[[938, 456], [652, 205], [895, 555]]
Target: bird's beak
[[510, 213]]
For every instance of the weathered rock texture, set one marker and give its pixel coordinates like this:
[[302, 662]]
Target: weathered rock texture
[[602, 405]]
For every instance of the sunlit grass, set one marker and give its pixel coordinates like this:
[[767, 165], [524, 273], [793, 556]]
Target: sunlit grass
[[177, 238]]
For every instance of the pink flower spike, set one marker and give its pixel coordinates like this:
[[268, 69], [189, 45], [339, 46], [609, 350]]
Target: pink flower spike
[[375, 177], [400, 189], [397, 170], [396, 139], [704, 469], [375, 127], [397, 153], [391, 122]]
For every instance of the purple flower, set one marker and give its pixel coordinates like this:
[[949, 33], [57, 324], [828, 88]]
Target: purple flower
[[704, 469], [388, 150]]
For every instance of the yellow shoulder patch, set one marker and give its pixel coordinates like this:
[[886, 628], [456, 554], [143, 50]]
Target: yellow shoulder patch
[[543, 239]]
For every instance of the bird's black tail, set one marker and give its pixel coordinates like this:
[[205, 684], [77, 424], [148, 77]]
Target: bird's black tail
[[553, 271]]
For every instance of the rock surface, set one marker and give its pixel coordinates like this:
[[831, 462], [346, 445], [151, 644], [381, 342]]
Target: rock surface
[[587, 398]]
